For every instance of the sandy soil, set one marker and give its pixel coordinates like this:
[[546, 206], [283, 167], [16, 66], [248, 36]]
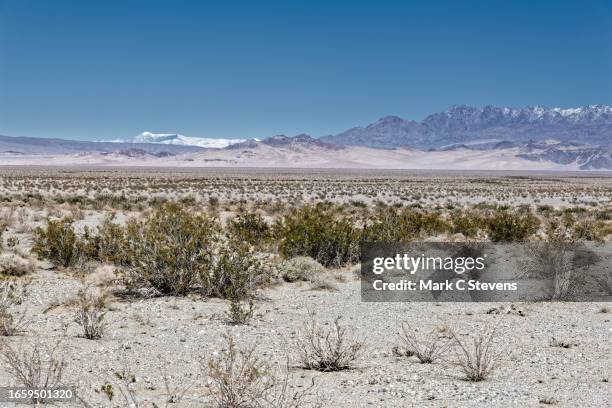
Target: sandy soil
[[175, 335]]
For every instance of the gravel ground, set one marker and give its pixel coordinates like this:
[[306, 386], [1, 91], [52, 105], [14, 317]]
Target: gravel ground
[[176, 336]]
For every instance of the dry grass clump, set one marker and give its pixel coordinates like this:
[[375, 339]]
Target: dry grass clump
[[38, 367], [561, 343], [90, 314], [238, 378], [324, 284], [426, 350], [12, 314], [301, 268], [121, 391], [306, 269], [11, 264], [478, 360], [327, 350], [548, 401]]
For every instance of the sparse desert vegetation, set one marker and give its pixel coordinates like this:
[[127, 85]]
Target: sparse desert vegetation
[[198, 288]]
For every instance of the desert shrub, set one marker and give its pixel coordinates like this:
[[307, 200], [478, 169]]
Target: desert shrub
[[390, 224], [466, 223], [478, 361], [301, 268], [239, 378], [605, 282], [58, 242], [431, 223], [38, 367], [235, 272], [316, 231], [12, 314], [108, 244], [548, 401], [545, 209], [213, 202], [236, 275], [327, 349], [505, 226], [250, 227], [590, 230], [3, 226], [241, 311], [90, 315], [12, 243], [561, 343], [559, 261], [170, 250], [12, 264], [320, 283], [426, 350]]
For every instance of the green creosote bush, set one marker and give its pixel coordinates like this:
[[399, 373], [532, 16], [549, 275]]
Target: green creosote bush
[[466, 223], [316, 231], [176, 252], [170, 250], [504, 226], [235, 272], [590, 230], [108, 244], [390, 224], [250, 227], [241, 312], [58, 242]]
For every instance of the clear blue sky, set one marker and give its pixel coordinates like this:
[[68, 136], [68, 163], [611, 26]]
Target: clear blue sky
[[111, 69]]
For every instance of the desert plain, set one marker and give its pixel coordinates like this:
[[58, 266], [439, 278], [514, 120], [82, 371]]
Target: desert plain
[[259, 305]]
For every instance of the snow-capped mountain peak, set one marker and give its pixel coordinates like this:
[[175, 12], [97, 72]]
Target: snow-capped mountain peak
[[150, 137], [178, 139]]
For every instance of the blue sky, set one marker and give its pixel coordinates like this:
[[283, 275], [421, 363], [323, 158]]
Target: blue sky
[[111, 69]]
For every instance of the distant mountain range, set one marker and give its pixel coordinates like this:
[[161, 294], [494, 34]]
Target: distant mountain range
[[461, 124], [42, 146], [462, 137]]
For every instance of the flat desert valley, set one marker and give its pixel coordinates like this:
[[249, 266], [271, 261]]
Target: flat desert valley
[[154, 287]]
